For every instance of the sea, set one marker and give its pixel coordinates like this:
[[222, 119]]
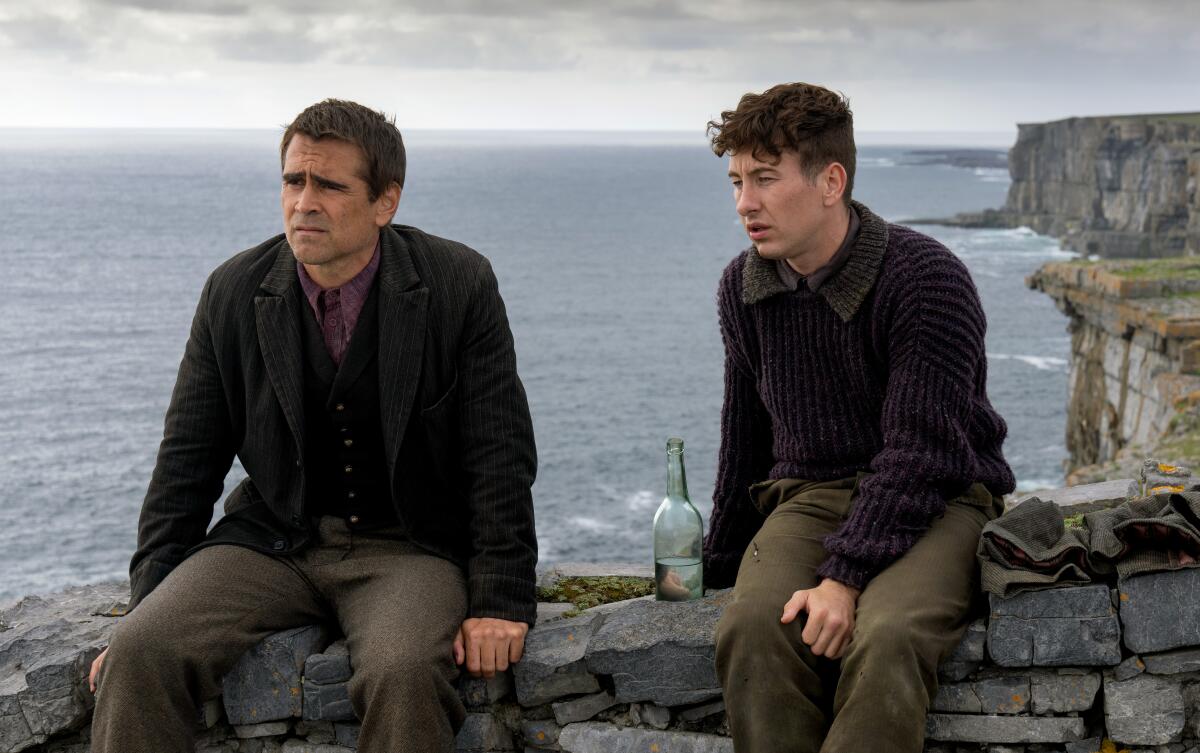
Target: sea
[[608, 248]]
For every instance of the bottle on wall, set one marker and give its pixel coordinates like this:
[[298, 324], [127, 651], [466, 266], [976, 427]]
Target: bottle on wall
[[678, 536]]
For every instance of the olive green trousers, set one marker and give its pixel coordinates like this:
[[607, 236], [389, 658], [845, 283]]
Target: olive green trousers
[[780, 698], [398, 606]]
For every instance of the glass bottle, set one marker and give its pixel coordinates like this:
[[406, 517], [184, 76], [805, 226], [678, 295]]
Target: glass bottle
[[678, 536]]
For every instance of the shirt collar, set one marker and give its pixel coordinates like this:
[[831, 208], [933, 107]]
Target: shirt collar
[[357, 287], [792, 278]]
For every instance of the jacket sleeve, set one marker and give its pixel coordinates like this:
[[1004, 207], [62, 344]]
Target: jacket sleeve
[[935, 339], [746, 455], [498, 461], [193, 458]]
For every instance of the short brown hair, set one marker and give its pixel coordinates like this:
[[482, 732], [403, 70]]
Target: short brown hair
[[810, 120], [370, 130]]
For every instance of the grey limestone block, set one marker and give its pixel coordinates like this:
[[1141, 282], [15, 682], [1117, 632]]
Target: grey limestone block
[[650, 714], [703, 711], [956, 698], [1144, 710], [1003, 729], [314, 731], [1063, 691], [1085, 498], [1131, 667], [330, 666], [266, 729], [346, 733], [1090, 745], [482, 733], [582, 708], [1055, 642], [265, 685], [599, 737], [1159, 477], [553, 663], [969, 653], [1054, 628], [1161, 611], [541, 733], [330, 703], [1079, 601], [47, 645], [549, 610], [478, 693], [660, 651], [1003, 695], [1173, 662]]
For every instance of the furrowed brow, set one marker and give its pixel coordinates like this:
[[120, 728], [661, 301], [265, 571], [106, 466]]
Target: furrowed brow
[[318, 179]]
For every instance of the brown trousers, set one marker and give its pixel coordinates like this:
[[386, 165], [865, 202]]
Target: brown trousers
[[398, 606], [779, 696]]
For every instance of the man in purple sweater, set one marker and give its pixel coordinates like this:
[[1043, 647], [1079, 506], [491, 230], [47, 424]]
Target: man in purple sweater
[[860, 456]]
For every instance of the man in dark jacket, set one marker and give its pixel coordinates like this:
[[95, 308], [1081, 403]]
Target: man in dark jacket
[[860, 456], [364, 375]]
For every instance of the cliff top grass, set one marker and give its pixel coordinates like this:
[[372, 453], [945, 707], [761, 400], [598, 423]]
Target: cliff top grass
[[1177, 268]]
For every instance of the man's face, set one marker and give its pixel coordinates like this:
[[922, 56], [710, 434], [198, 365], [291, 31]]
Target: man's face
[[784, 213], [328, 216]]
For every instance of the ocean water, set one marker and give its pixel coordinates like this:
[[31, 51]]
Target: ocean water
[[608, 250]]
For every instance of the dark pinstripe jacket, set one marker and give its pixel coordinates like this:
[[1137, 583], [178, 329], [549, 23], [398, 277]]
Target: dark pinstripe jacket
[[456, 427]]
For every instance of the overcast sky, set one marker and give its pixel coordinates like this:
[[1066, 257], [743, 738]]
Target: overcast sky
[[906, 65]]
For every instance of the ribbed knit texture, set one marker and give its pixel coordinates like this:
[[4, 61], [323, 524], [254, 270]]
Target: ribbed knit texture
[[882, 371]]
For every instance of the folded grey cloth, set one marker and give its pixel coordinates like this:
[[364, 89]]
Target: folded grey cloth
[[1029, 547], [1147, 534]]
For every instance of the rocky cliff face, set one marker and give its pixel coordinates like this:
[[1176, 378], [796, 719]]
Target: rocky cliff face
[[1135, 360], [1117, 187]]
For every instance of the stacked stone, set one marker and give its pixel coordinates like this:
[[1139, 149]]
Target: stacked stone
[[1062, 670]]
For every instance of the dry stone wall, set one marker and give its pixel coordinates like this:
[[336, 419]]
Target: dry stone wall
[[1070, 670]]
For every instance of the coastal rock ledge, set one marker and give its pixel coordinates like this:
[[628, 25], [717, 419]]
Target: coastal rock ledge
[[1069, 669]]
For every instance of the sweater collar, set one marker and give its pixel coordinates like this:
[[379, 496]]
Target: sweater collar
[[847, 289]]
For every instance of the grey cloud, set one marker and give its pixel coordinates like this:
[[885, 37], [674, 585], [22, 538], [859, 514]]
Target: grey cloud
[[48, 34], [194, 7]]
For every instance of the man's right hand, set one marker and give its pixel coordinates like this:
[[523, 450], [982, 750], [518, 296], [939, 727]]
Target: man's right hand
[[96, 664]]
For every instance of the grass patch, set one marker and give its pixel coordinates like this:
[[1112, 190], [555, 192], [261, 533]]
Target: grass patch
[[1175, 269], [588, 592]]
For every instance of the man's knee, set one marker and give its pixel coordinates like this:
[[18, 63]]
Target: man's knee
[[751, 626], [411, 667]]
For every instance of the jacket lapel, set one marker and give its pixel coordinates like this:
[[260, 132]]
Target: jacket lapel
[[403, 303], [277, 321]]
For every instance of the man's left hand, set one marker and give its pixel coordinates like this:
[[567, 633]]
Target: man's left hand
[[489, 645]]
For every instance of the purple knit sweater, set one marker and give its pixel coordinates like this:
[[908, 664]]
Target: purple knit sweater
[[882, 370]]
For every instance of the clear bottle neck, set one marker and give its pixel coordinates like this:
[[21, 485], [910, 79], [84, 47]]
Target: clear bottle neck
[[676, 480]]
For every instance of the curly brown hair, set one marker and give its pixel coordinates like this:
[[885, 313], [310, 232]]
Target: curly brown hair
[[810, 120], [370, 130]]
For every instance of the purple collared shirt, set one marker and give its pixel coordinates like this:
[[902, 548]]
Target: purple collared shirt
[[337, 309]]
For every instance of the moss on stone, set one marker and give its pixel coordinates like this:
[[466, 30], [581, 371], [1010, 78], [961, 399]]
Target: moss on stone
[[592, 591], [1073, 521]]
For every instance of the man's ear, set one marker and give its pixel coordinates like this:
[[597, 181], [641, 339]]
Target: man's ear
[[833, 184], [385, 205]]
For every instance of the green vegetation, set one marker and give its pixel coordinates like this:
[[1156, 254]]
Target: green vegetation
[[1073, 521], [1174, 269], [588, 592]]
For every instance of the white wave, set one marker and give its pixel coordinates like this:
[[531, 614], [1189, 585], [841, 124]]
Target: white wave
[[1024, 486], [876, 162], [591, 525], [642, 500], [1041, 363]]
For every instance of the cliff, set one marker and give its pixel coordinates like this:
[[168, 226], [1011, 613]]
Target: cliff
[[1116, 187], [1135, 361]]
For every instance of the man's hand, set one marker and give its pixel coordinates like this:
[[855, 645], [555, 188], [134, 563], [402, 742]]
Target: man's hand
[[96, 664], [830, 608], [488, 645]]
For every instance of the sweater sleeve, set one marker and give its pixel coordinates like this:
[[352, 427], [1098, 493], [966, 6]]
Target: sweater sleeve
[[935, 329], [745, 455]]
